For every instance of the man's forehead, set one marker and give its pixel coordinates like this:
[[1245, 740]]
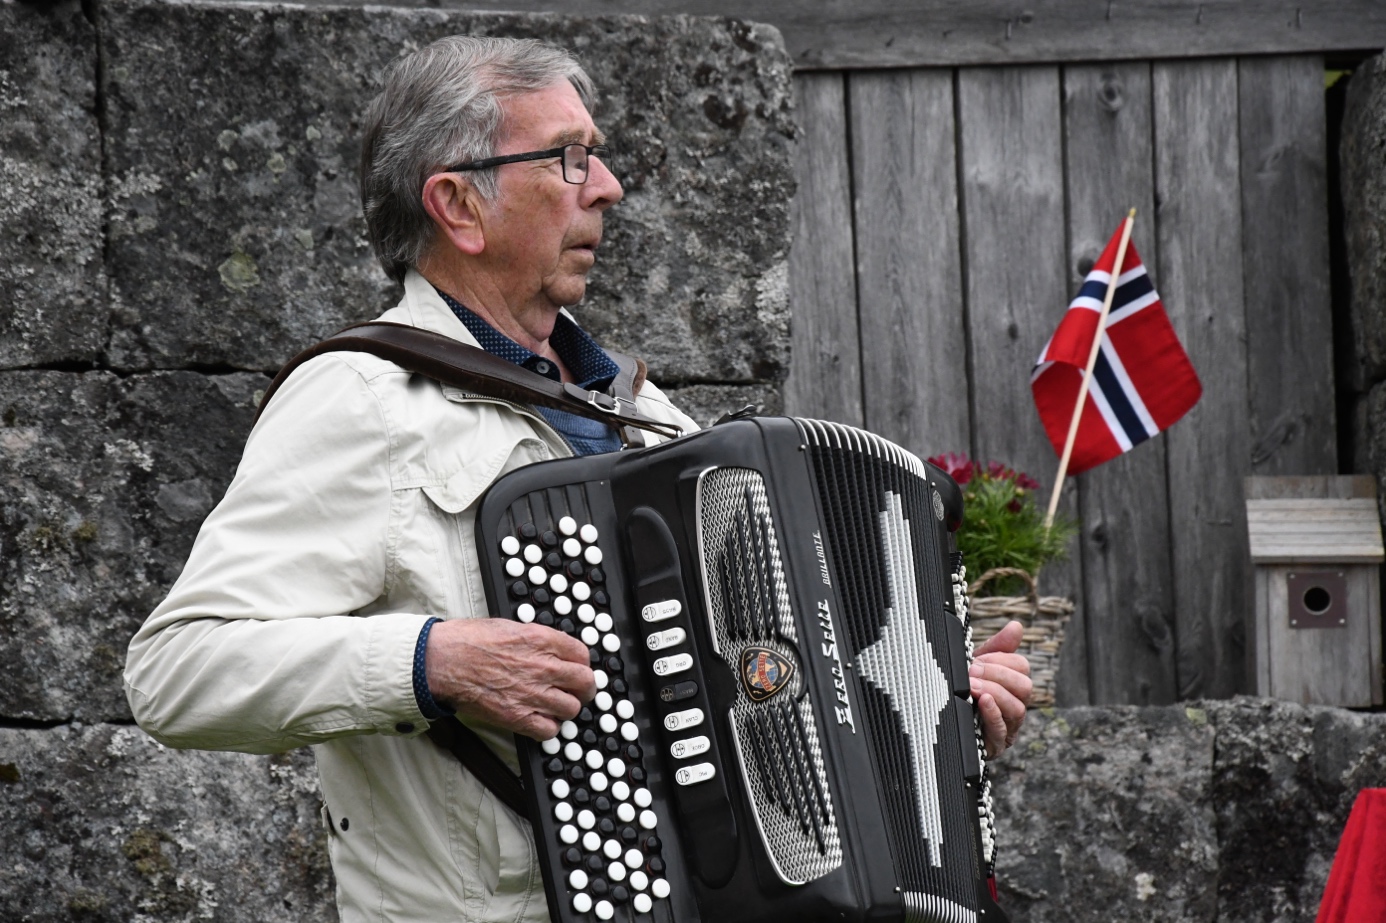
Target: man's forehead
[[552, 116]]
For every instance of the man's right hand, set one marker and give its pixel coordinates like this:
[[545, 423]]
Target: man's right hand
[[526, 678]]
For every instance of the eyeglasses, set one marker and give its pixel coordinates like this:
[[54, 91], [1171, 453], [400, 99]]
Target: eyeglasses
[[575, 160]]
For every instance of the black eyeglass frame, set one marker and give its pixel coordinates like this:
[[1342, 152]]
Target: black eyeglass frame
[[592, 150]]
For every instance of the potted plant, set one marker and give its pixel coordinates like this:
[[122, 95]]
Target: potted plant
[[1005, 544]]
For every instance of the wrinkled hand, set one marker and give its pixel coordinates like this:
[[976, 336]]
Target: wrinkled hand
[[526, 678], [1001, 688]]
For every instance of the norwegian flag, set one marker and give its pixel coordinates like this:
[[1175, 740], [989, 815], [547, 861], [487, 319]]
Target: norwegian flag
[[1142, 382]]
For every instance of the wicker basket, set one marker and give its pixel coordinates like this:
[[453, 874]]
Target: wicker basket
[[1044, 618]]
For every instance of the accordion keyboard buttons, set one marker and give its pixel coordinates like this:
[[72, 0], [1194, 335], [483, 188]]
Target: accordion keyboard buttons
[[692, 746], [658, 612], [675, 663], [692, 775], [669, 637], [679, 720]]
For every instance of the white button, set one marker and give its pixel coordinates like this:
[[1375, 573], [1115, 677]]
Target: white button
[[563, 811], [642, 902], [537, 575], [510, 545], [588, 533], [583, 902], [586, 820], [692, 746], [559, 788], [572, 547], [591, 842], [620, 791], [514, 567], [568, 729], [567, 525], [558, 583], [666, 638], [597, 781], [562, 605], [568, 834], [578, 880], [624, 709], [634, 858], [677, 721], [552, 746], [525, 612], [604, 910], [674, 663], [601, 679], [594, 759], [639, 880], [648, 820], [616, 768], [590, 636], [608, 723], [612, 644], [603, 701], [586, 613], [603, 621], [573, 751], [658, 612], [593, 555], [643, 798], [659, 888], [629, 731], [692, 775], [581, 591], [625, 812], [611, 849], [616, 871], [534, 554]]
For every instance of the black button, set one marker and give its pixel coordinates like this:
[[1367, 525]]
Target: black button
[[652, 843], [619, 894], [554, 766], [613, 666], [577, 773], [568, 626], [594, 863], [545, 618], [404, 727], [582, 796], [585, 716], [612, 745], [549, 538], [589, 737], [637, 774], [633, 752], [594, 656], [552, 561], [574, 569], [596, 575], [602, 804], [679, 691], [618, 687], [346, 824], [529, 530], [629, 834], [606, 826], [572, 856], [542, 597], [656, 864], [600, 598], [519, 588], [542, 367], [597, 886]]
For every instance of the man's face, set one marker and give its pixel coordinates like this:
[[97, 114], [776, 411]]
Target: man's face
[[542, 233]]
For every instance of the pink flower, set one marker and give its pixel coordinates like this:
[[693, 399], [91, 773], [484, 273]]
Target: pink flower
[[959, 467]]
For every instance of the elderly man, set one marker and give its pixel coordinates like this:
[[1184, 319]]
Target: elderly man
[[333, 598]]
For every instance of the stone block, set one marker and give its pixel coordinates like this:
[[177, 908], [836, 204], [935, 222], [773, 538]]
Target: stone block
[[233, 140], [53, 307], [107, 826], [104, 482], [1104, 814], [1362, 164]]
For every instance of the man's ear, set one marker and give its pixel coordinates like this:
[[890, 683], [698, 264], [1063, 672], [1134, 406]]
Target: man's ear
[[457, 211]]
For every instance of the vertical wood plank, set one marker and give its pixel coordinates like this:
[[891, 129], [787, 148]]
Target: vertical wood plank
[[1285, 259], [825, 366], [1127, 580], [1197, 162], [909, 278], [1011, 155]]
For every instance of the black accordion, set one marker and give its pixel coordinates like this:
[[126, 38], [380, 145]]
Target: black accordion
[[783, 726]]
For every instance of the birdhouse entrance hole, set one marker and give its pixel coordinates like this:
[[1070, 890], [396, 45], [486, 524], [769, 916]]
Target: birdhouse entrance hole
[[1317, 599]]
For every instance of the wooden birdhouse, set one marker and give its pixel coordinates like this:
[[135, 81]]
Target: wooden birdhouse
[[1316, 552]]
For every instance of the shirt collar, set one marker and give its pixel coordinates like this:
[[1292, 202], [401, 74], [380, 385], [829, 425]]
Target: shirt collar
[[589, 364]]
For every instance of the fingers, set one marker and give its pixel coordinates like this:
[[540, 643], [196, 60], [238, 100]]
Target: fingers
[[1005, 641], [995, 735], [1001, 692]]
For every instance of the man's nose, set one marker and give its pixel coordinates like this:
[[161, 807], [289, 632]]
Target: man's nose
[[602, 189]]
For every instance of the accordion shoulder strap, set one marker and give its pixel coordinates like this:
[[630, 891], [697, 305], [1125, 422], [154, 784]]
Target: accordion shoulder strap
[[471, 751], [472, 369]]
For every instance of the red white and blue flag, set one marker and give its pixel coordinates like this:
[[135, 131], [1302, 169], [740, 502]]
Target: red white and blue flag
[[1142, 382]]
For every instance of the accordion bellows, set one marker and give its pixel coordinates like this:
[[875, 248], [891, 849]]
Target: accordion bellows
[[783, 727]]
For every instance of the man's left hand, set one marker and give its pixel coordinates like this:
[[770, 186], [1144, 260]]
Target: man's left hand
[[1001, 687]]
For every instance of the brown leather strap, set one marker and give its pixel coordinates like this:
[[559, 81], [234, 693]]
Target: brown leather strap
[[624, 387], [460, 365], [471, 751]]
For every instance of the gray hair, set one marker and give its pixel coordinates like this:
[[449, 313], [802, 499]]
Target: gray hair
[[439, 107]]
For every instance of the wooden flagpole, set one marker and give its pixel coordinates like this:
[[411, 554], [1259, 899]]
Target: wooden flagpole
[[1087, 374]]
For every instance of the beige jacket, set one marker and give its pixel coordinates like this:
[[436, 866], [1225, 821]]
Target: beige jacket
[[349, 523]]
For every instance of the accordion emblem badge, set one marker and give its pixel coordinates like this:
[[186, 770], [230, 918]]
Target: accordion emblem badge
[[764, 671]]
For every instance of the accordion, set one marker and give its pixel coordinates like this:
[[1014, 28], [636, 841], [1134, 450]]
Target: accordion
[[783, 725]]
